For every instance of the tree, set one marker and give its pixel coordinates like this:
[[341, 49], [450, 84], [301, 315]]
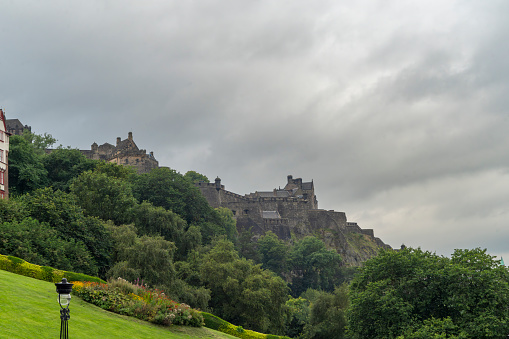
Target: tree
[[104, 197], [61, 211], [226, 225], [242, 292], [406, 292], [64, 164], [328, 315], [195, 177], [273, 253], [147, 258], [314, 265], [167, 188], [40, 143], [26, 171], [40, 244]]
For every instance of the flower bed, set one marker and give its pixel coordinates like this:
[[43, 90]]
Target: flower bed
[[120, 296]]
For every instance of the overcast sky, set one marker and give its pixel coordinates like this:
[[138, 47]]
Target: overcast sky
[[398, 110]]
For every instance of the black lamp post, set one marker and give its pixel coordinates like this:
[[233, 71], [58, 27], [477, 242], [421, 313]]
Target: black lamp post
[[64, 290]]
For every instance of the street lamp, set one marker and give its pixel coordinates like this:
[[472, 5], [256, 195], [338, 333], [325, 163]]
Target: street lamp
[[64, 290]]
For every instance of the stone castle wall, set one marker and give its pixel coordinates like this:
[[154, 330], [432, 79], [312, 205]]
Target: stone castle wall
[[298, 215]]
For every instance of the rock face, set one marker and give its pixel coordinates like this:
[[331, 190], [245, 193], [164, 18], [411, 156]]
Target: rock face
[[292, 213]]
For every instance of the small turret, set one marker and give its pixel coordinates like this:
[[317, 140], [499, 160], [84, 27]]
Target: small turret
[[218, 183]]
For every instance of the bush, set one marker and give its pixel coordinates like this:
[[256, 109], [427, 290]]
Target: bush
[[120, 296], [46, 273], [218, 324]]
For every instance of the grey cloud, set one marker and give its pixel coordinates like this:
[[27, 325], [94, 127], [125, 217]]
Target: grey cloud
[[396, 110]]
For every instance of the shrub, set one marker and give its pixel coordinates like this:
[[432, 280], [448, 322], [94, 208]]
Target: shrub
[[218, 324], [123, 297], [46, 273]]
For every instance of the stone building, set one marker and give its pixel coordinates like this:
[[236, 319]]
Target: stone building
[[14, 126], [125, 152], [4, 157], [293, 213]]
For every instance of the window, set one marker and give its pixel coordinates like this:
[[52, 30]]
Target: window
[[1, 155], [2, 194], [2, 137], [2, 178]]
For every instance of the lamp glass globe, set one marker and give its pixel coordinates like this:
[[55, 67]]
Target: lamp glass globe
[[64, 299]]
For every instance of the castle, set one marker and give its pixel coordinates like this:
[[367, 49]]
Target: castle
[[124, 153], [292, 213]]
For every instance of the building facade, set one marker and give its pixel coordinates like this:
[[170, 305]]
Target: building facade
[[15, 127], [125, 153], [4, 157]]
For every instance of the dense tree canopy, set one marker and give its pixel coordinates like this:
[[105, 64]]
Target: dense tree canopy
[[401, 293], [26, 170], [64, 164], [242, 291], [105, 197]]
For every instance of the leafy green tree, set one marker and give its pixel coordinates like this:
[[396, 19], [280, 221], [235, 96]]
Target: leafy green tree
[[39, 142], [113, 170], [12, 210], [157, 221], [104, 196], [40, 244], [228, 224], [299, 314], [412, 291], [273, 253], [223, 224], [26, 171], [328, 315], [152, 220], [247, 246], [243, 292], [147, 258], [64, 164], [195, 177], [167, 188], [314, 266], [61, 211]]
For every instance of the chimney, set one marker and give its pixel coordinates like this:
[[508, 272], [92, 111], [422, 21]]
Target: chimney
[[130, 136], [118, 141]]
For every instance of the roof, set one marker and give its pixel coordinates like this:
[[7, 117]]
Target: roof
[[269, 194], [282, 194], [307, 185], [270, 215]]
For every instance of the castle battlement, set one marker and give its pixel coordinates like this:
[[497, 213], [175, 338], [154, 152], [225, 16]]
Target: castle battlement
[[291, 212]]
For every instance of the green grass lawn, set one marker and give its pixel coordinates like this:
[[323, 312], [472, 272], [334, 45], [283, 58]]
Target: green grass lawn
[[29, 309]]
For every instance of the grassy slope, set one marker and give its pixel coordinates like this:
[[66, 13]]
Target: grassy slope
[[29, 309]]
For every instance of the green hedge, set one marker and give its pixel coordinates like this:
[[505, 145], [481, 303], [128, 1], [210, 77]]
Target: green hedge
[[218, 324], [46, 273]]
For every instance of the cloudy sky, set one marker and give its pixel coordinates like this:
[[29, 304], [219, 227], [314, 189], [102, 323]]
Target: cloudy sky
[[398, 110]]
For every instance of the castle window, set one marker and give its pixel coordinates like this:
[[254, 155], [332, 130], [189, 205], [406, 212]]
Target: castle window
[[246, 211], [234, 212]]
